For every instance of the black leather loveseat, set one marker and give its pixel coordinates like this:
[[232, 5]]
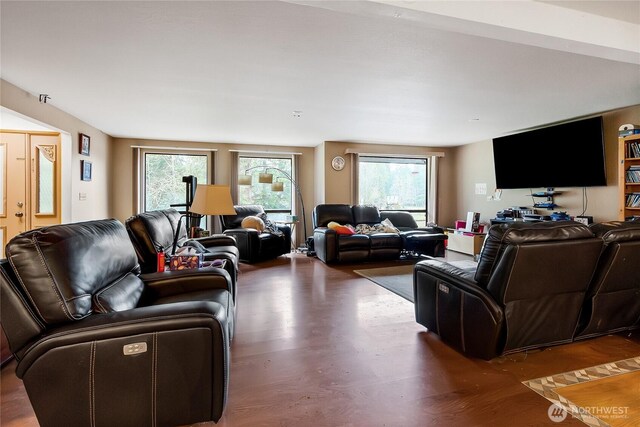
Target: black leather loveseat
[[99, 344], [535, 285], [332, 247]]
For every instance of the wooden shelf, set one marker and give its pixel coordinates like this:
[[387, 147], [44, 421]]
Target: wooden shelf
[[624, 187]]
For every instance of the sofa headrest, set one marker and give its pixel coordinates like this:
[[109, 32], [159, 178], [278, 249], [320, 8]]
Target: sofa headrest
[[150, 230], [400, 219], [617, 231], [363, 214], [325, 213], [61, 267], [235, 221], [529, 232], [502, 235]]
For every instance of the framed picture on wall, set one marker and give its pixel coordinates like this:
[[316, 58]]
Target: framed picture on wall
[[85, 142], [85, 167]]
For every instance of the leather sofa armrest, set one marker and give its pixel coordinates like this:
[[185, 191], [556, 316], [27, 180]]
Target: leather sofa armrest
[[129, 323], [247, 241], [216, 240], [450, 303], [158, 285], [325, 243]]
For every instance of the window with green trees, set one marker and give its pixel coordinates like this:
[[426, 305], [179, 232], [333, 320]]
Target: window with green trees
[[393, 183], [277, 204], [163, 174]]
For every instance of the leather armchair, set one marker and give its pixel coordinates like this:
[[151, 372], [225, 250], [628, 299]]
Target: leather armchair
[[151, 230], [527, 291], [98, 343], [254, 245]]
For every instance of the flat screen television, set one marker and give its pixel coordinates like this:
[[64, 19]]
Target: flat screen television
[[565, 155]]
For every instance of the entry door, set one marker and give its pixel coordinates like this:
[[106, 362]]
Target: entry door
[[30, 172]]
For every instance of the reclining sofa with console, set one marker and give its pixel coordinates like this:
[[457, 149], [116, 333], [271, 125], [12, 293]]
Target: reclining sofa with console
[[332, 247], [149, 231], [535, 285], [98, 343]]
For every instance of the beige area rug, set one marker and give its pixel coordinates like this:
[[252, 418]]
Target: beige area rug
[[599, 396]]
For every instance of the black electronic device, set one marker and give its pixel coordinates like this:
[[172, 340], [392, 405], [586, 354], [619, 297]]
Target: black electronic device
[[565, 155]]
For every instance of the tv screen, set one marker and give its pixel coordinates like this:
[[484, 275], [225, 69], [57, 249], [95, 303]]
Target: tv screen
[[565, 155]]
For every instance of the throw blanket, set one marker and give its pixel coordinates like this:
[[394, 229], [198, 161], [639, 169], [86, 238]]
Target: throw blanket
[[385, 227], [270, 226]]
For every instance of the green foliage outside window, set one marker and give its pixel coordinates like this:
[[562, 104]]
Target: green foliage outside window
[[261, 194], [394, 184], [163, 178]]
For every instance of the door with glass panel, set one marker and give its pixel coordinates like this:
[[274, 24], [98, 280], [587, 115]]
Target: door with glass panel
[[30, 171]]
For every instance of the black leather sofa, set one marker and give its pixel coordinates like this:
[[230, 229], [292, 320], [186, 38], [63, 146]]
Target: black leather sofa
[[253, 245], [331, 247], [98, 343], [151, 230], [535, 285]]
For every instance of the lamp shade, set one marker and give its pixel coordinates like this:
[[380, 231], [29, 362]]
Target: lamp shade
[[265, 178], [244, 179], [213, 200], [277, 186]]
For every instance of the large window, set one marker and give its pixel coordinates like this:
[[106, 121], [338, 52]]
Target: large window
[[163, 174], [393, 183], [277, 204]]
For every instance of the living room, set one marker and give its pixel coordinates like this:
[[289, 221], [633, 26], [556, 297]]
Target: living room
[[464, 159]]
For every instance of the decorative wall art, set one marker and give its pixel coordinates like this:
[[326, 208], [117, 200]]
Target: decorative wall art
[[85, 167], [84, 144]]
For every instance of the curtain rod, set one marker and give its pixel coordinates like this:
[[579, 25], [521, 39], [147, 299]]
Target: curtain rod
[[159, 147], [265, 152], [407, 156]]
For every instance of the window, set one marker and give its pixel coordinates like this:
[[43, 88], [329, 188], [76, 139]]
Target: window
[[163, 172], [394, 183], [277, 204]]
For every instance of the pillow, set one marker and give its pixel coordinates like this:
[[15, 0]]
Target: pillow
[[253, 222], [388, 226], [341, 229]]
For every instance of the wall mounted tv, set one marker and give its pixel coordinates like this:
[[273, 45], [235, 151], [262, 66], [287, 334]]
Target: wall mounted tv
[[565, 155]]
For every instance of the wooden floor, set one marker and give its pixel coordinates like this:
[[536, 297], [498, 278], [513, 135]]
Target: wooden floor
[[322, 346]]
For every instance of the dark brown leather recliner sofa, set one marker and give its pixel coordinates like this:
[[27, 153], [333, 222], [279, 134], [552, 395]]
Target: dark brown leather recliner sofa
[[536, 285], [612, 303], [98, 343], [331, 247], [151, 230]]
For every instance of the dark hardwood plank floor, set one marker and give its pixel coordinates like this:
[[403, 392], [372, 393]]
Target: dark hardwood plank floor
[[321, 346]]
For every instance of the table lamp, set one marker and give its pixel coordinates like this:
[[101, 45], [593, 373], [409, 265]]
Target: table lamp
[[209, 200]]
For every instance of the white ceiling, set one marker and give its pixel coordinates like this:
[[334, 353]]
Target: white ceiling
[[430, 73]]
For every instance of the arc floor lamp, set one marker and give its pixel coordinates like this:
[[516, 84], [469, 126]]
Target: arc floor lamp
[[267, 178]]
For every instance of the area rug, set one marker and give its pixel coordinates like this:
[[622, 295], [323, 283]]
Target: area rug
[[599, 396], [397, 279]]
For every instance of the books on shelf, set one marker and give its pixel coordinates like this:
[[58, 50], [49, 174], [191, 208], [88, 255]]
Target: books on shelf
[[633, 200], [633, 174], [632, 150]]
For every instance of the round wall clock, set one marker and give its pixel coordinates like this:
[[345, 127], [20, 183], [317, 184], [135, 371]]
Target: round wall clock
[[338, 163]]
